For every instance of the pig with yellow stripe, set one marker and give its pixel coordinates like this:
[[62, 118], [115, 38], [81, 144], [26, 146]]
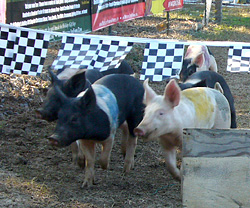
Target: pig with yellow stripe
[[167, 115]]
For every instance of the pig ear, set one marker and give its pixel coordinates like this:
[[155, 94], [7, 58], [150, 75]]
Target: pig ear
[[218, 87], [54, 78], [172, 93], [61, 95], [88, 100], [149, 93], [198, 60], [76, 84]]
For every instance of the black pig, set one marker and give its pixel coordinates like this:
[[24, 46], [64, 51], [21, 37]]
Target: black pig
[[95, 114]]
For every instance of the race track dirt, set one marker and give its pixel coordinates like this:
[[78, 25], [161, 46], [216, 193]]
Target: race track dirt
[[34, 174]]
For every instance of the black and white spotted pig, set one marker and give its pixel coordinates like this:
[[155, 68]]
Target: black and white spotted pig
[[197, 58], [95, 114]]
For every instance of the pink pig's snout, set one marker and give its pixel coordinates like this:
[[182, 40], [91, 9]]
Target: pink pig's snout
[[139, 131]]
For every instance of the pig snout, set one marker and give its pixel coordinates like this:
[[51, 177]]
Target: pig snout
[[39, 113], [139, 131], [54, 141]]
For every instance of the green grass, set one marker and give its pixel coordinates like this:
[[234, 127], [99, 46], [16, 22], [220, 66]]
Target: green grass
[[235, 24]]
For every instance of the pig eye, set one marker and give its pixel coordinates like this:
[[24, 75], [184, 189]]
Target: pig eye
[[160, 113], [74, 119]]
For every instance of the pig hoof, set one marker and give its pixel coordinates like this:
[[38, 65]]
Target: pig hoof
[[104, 165], [81, 162], [177, 178], [87, 184]]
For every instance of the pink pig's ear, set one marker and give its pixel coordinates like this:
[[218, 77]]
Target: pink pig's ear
[[172, 93], [198, 60], [149, 93]]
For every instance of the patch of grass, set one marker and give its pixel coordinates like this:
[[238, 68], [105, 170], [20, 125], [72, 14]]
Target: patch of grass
[[235, 24]]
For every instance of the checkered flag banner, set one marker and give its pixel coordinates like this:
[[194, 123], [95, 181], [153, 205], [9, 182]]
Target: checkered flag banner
[[22, 51], [238, 59], [29, 52], [110, 54], [83, 52], [76, 52], [7, 41], [162, 61]]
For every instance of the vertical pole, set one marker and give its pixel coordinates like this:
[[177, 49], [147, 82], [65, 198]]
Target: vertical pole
[[168, 22], [110, 30], [204, 21]]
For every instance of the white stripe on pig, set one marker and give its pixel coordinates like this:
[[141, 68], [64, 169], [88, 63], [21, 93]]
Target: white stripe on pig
[[106, 100]]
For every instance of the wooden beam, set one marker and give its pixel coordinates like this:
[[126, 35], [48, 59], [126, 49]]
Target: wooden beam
[[216, 168]]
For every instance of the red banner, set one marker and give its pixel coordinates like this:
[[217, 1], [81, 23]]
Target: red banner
[[110, 16], [170, 5]]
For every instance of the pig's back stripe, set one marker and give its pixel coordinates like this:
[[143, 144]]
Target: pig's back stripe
[[106, 100]]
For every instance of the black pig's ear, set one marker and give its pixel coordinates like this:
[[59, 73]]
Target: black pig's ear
[[76, 84], [88, 100], [54, 78], [60, 94]]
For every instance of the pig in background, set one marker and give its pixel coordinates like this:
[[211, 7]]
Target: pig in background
[[72, 84], [209, 79], [197, 58], [167, 115], [95, 114]]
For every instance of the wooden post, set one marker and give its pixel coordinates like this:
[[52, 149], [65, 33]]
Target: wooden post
[[110, 30], [216, 168], [168, 22]]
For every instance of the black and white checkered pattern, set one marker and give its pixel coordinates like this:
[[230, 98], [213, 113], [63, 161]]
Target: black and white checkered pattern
[[162, 61], [238, 59], [7, 40], [30, 51], [110, 54], [81, 52], [76, 52]]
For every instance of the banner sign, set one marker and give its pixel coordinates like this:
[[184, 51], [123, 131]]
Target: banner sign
[[110, 12], [170, 5], [159, 6], [51, 15]]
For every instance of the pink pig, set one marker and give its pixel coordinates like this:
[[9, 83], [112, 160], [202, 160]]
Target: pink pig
[[166, 116], [197, 58]]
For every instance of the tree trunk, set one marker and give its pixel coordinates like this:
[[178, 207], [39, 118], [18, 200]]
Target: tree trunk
[[218, 11]]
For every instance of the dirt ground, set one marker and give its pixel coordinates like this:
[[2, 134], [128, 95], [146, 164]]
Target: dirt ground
[[34, 174]]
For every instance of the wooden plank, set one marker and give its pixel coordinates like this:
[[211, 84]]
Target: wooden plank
[[216, 182], [216, 168], [216, 143]]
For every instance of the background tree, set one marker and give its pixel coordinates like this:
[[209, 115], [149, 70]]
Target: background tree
[[218, 11]]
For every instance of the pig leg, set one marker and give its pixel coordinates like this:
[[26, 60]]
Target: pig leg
[[170, 159], [125, 133], [106, 151], [74, 150], [77, 155], [130, 152], [88, 148]]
